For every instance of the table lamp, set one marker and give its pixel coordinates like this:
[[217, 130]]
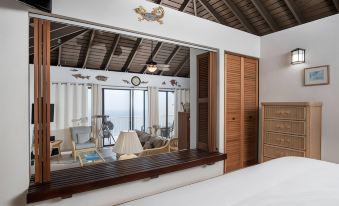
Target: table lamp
[[127, 145]]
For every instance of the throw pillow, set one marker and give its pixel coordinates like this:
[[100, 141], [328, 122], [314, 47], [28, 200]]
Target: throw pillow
[[83, 138], [157, 141], [147, 145], [144, 137]]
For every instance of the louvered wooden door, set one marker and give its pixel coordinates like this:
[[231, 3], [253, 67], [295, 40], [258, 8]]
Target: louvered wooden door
[[233, 112], [241, 112], [207, 101], [250, 138]]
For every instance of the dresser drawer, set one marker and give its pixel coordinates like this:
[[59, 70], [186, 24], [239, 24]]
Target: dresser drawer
[[285, 126], [285, 112], [285, 140], [276, 152]]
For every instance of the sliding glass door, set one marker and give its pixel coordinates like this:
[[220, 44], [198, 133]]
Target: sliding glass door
[[166, 113], [127, 110]]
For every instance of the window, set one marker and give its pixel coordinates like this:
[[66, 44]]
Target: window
[[166, 112], [127, 110]]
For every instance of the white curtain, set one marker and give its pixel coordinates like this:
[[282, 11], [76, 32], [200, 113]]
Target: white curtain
[[153, 107], [96, 110], [70, 109], [182, 96]]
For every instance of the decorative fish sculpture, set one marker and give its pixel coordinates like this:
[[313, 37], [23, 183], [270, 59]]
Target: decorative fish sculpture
[[79, 76], [101, 78], [74, 70], [174, 82], [126, 81], [143, 82], [156, 15], [163, 83]]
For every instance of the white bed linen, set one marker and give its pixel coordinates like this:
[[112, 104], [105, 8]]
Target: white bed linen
[[280, 182]]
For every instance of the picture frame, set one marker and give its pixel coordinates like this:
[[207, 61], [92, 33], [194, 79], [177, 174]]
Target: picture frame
[[319, 75]]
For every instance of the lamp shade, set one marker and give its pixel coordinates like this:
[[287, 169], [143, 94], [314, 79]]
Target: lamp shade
[[127, 143], [298, 56]]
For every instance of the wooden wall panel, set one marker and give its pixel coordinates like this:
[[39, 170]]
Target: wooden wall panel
[[42, 100]]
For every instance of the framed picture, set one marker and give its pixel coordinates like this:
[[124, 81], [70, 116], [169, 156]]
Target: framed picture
[[317, 75]]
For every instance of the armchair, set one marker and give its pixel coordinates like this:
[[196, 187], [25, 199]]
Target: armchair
[[81, 140]]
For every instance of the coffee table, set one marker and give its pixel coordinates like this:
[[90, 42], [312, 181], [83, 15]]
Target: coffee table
[[90, 157]]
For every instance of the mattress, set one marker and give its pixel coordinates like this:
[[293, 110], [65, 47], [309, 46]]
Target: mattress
[[280, 182]]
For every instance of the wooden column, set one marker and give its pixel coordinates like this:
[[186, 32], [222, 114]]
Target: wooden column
[[42, 100]]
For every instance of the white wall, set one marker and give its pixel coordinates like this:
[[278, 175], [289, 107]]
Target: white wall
[[14, 86], [14, 105], [281, 81], [177, 25], [64, 74]]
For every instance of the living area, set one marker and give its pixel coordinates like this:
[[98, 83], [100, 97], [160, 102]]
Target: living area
[[115, 97]]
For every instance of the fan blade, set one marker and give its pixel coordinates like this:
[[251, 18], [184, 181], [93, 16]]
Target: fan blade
[[164, 68]]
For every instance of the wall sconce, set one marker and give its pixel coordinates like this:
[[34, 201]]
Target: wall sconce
[[298, 56]]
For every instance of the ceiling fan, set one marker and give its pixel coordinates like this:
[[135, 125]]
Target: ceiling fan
[[152, 65]]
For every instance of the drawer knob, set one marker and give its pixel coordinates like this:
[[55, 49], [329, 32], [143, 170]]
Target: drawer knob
[[233, 118]]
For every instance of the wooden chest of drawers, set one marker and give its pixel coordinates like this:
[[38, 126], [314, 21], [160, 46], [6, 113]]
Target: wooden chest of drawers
[[291, 129]]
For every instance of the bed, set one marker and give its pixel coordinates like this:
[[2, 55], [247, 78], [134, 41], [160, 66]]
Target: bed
[[280, 182]]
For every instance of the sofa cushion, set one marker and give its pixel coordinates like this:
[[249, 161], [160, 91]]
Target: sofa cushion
[[157, 141], [148, 145], [85, 145], [83, 138]]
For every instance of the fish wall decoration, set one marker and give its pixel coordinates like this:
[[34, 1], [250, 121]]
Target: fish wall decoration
[[155, 15], [126, 81], [80, 76], [174, 82], [101, 78]]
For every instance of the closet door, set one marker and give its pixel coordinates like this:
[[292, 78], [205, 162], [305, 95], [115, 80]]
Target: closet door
[[241, 112], [233, 111], [250, 138], [207, 101]]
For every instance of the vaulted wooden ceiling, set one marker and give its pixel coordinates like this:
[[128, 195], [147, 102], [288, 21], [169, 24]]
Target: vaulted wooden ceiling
[[73, 46], [258, 17]]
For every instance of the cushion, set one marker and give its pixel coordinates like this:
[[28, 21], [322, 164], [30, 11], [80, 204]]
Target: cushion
[[157, 141], [148, 145], [83, 138], [144, 137], [85, 145]]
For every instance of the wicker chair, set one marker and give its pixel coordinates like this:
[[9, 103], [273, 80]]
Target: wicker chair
[[155, 151], [174, 144]]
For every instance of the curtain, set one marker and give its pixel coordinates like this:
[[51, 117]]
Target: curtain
[[153, 108], [70, 109], [182, 96], [96, 110]]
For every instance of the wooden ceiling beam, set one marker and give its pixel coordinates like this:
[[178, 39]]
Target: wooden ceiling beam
[[171, 57], [184, 5], [240, 16], [153, 54], [195, 7], [295, 11], [65, 39], [181, 65], [212, 11], [112, 51], [265, 14], [89, 46], [131, 55], [336, 4]]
